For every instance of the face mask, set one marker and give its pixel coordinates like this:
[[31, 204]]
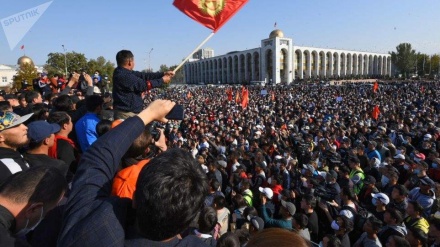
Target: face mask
[[269, 180], [285, 155], [384, 180], [417, 171], [23, 232], [335, 225], [406, 167], [305, 184], [434, 165], [374, 201]]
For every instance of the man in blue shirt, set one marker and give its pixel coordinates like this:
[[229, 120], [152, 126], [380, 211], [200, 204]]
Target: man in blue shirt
[[86, 126], [129, 86], [372, 152]]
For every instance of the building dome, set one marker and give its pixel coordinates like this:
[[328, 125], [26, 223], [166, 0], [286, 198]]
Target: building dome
[[24, 59], [276, 34]]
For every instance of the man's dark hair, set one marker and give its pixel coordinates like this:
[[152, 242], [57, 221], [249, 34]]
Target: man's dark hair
[[59, 117], [376, 224], [140, 144], [419, 234], [403, 191], [207, 220], [220, 201], [399, 241], [103, 127], [417, 207], [123, 56], [170, 191], [5, 105], [214, 184], [228, 239], [301, 220], [333, 241], [63, 103], [310, 200], [395, 214], [31, 95], [93, 102], [37, 184]]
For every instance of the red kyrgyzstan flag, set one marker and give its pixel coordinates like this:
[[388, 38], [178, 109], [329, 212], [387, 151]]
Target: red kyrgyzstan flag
[[229, 93], [245, 97], [22, 47], [212, 14], [375, 87], [375, 113]]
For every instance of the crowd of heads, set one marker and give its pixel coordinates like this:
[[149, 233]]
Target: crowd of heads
[[363, 162]]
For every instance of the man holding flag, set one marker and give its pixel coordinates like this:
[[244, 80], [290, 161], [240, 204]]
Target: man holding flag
[[129, 85]]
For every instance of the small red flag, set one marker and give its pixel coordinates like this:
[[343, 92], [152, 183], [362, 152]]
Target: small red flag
[[22, 47], [375, 87], [212, 14], [245, 97], [229, 93], [375, 113]]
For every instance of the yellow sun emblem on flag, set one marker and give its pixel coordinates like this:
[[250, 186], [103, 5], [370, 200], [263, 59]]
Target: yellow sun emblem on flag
[[212, 7]]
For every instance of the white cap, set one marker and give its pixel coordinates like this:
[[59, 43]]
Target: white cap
[[399, 156], [382, 197], [267, 192], [427, 137]]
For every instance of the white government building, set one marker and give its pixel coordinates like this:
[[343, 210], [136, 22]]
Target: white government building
[[278, 60]]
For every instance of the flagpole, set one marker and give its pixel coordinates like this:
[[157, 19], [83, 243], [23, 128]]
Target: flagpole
[[195, 50]]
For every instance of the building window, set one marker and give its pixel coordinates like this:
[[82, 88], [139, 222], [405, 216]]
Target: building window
[[4, 79]]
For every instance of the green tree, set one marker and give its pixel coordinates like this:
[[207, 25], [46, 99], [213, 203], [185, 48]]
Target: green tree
[[56, 62], [423, 62], [179, 76], [404, 58], [163, 68], [27, 72], [100, 64], [435, 64]]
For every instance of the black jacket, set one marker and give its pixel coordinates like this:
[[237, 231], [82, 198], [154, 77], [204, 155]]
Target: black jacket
[[11, 162], [7, 223]]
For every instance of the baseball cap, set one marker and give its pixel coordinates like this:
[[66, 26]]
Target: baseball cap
[[289, 206], [222, 163], [369, 180], [399, 156], [420, 156], [10, 119], [256, 222], [382, 197], [40, 130], [267, 192], [372, 143], [309, 167], [427, 181], [427, 137]]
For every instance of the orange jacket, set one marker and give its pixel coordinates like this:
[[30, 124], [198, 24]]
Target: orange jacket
[[124, 183]]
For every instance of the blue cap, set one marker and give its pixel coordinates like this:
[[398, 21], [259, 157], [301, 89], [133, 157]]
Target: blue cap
[[40, 130]]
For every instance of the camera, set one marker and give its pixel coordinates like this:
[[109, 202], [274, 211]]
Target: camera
[[154, 130]]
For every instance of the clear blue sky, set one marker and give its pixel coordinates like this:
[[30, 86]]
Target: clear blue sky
[[102, 27]]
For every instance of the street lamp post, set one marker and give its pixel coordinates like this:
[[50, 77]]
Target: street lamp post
[[149, 60], [65, 59]]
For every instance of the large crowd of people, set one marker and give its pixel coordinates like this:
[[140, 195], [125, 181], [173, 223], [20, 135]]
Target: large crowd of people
[[307, 164]]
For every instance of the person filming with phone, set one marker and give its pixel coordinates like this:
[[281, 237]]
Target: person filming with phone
[[128, 85]]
